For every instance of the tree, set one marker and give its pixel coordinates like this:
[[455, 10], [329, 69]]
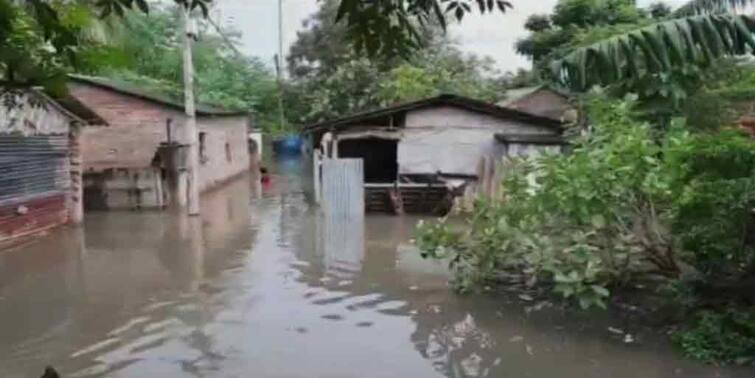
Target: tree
[[662, 49], [40, 39], [659, 10], [386, 27], [537, 23], [149, 46], [329, 79], [551, 35], [393, 27]]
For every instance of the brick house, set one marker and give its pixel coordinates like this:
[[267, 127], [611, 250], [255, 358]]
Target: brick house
[[40, 164], [123, 165]]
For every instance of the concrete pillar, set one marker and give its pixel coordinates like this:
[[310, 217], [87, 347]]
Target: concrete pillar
[[181, 194]]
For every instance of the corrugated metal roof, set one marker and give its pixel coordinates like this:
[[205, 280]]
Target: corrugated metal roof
[[517, 94], [530, 138], [444, 99], [139, 91], [514, 95]]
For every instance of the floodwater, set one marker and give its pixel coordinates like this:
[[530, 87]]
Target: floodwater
[[262, 286]]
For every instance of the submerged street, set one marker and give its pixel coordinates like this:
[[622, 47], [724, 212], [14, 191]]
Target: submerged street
[[261, 285]]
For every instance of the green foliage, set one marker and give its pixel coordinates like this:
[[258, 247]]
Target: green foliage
[[551, 36], [623, 206], [538, 23], [444, 69], [725, 337], [584, 13], [694, 7], [407, 82], [695, 36], [37, 42], [715, 202], [351, 87], [659, 10], [41, 40], [150, 55], [393, 27], [329, 80], [658, 48], [583, 223]]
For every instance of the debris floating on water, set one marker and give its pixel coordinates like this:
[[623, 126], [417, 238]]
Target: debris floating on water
[[526, 297], [615, 331]]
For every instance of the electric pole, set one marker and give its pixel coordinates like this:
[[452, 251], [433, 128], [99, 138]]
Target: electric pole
[[190, 128], [279, 66]]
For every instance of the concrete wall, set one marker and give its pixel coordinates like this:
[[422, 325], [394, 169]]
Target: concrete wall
[[452, 140], [136, 129], [31, 115], [125, 188], [226, 150]]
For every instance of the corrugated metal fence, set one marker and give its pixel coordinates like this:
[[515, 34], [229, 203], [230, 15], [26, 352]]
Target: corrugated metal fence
[[343, 187]]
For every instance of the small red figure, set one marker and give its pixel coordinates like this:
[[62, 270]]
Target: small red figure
[[264, 177]]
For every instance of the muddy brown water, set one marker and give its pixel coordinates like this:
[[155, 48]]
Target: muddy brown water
[[262, 286]]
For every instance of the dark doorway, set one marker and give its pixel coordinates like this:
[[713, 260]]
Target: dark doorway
[[380, 157]]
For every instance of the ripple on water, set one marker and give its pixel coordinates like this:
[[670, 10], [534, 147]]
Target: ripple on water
[[333, 317]]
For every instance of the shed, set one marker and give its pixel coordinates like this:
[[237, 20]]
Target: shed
[[126, 165], [40, 182], [428, 148]]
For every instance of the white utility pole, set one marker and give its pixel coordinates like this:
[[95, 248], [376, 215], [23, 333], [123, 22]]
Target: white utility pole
[[279, 65], [190, 128]]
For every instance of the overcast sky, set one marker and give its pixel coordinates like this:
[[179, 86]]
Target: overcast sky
[[493, 35]]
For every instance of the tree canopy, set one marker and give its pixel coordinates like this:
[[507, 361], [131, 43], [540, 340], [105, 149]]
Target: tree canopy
[[46, 36], [695, 35], [330, 79]]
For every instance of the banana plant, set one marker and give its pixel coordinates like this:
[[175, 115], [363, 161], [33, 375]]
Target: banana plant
[[697, 35]]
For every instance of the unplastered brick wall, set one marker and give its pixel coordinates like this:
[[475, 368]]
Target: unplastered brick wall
[[135, 128]]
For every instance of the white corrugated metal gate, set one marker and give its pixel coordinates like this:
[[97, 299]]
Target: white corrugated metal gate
[[342, 183]]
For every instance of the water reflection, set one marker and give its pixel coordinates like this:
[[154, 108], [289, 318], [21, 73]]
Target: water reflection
[[262, 285], [340, 243], [73, 297]]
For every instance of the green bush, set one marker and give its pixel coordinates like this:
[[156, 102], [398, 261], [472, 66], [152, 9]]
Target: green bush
[[727, 337], [583, 223], [714, 200], [621, 207]]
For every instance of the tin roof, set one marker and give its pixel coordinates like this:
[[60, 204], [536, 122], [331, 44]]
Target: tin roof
[[444, 99], [545, 139], [138, 91], [517, 94]]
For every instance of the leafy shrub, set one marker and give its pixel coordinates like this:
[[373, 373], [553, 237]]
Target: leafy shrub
[[727, 337], [583, 222], [620, 207], [714, 201]]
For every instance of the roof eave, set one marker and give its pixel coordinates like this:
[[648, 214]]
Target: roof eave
[[146, 97], [463, 102]]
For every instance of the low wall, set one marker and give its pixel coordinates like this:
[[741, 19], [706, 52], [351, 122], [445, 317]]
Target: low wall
[[124, 189]]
